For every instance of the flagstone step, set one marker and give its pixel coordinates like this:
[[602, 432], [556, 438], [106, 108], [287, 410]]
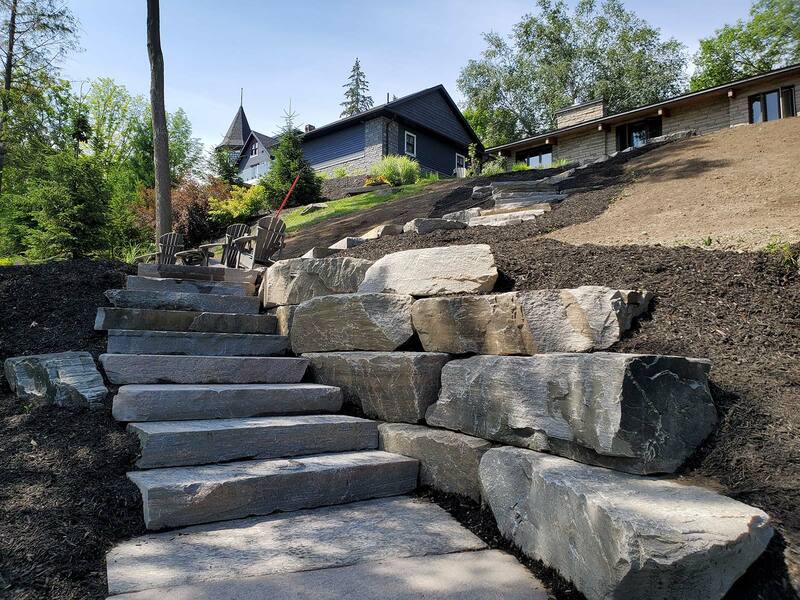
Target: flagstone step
[[182, 320], [337, 536], [197, 272], [178, 496], [184, 301], [194, 286], [481, 575], [139, 403], [122, 341], [181, 443], [511, 218], [123, 369]]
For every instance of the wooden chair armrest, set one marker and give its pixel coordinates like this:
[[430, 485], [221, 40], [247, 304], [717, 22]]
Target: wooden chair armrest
[[144, 256], [211, 245], [241, 241]]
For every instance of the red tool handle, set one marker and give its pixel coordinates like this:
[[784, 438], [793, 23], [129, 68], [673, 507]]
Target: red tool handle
[[285, 200]]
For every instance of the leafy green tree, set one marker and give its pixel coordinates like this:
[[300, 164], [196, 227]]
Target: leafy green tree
[[68, 207], [769, 39], [356, 97], [558, 57], [223, 167], [288, 162], [113, 114]]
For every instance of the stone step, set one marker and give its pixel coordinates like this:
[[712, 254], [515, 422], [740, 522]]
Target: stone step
[[456, 576], [193, 286], [138, 403], [528, 200], [181, 443], [123, 341], [540, 185], [182, 320], [184, 301], [197, 272], [122, 369], [178, 496], [337, 536], [544, 207], [512, 218]]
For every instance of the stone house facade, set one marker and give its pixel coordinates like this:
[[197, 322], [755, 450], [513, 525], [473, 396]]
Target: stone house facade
[[585, 132]]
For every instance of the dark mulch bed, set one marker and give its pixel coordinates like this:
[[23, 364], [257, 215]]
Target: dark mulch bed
[[64, 498]]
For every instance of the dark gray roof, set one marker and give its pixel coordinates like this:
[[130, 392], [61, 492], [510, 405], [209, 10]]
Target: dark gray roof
[[238, 132], [265, 140]]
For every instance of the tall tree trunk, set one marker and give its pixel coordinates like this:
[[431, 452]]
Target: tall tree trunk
[[5, 103], [160, 140]]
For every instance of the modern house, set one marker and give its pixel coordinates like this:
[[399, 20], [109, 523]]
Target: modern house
[[585, 132], [426, 125]]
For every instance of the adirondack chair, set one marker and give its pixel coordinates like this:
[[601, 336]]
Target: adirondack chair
[[230, 253], [261, 247], [168, 246]]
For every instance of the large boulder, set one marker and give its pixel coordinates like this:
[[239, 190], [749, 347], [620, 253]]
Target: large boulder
[[389, 386], [573, 320], [296, 280], [619, 536], [468, 269], [635, 413], [63, 379], [448, 461], [379, 322], [382, 231], [423, 226]]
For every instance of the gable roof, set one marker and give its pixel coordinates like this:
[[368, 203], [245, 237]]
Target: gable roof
[[404, 109], [265, 141], [238, 132]]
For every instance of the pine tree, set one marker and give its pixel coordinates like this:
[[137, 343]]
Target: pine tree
[[356, 99]]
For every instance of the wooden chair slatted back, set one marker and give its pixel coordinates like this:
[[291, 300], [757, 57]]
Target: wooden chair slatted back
[[270, 232], [230, 253], [168, 245]]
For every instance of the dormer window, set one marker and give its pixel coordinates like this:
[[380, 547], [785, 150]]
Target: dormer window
[[254, 149]]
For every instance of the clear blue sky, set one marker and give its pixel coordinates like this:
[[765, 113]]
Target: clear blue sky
[[303, 49]]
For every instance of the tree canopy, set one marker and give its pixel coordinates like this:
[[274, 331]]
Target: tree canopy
[[356, 97]]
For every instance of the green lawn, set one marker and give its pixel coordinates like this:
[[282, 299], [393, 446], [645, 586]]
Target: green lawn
[[294, 220]]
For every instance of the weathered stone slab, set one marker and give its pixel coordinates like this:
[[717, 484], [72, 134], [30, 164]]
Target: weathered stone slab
[[448, 461], [123, 341], [464, 269], [382, 231], [313, 207], [423, 226], [571, 320], [198, 272], [512, 218], [296, 280], [463, 215], [175, 402], [621, 536], [348, 242], [122, 369], [192, 286], [505, 210], [182, 320], [352, 322], [631, 412], [456, 576], [178, 443], [481, 191], [184, 301], [389, 386], [318, 252], [63, 379], [362, 532], [537, 185], [179, 496]]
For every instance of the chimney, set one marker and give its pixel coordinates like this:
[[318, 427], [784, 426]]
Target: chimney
[[309, 128], [580, 113]]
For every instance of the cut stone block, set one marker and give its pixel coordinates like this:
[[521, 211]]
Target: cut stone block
[[463, 215], [314, 207], [506, 210], [621, 536], [68, 379], [348, 242], [467, 269], [382, 231], [180, 496], [184, 301], [573, 320], [631, 412], [197, 272], [296, 280], [179, 443], [284, 315], [457, 576], [122, 369], [352, 322], [448, 461], [512, 218], [236, 550], [192, 286], [423, 226], [121, 341], [317, 252], [202, 401], [481, 191], [182, 320], [389, 386]]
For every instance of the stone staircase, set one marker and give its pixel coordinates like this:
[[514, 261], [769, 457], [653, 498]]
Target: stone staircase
[[231, 434]]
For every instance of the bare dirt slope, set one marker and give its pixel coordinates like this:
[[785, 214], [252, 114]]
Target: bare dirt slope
[[739, 187]]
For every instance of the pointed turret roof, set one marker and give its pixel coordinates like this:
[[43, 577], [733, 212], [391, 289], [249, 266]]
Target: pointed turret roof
[[238, 132]]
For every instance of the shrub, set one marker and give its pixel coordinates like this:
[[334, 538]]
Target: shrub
[[520, 166], [339, 172], [190, 208], [370, 181], [289, 161], [429, 177], [494, 167], [241, 203], [397, 170]]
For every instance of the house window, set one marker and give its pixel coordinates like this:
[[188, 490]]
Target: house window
[[636, 135], [772, 105], [461, 162], [411, 144], [541, 157], [254, 149]]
